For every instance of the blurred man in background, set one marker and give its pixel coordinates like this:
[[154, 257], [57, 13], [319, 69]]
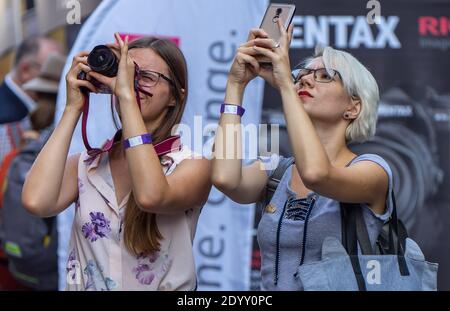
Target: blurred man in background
[[15, 103]]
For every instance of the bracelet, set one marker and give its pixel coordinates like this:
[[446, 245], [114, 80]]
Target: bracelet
[[232, 109], [137, 140]]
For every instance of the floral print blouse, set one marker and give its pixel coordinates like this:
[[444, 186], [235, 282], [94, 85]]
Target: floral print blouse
[[98, 258]]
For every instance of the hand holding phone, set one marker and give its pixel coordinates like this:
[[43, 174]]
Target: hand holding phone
[[275, 12]]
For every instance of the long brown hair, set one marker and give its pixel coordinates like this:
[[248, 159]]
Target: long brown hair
[[141, 234]]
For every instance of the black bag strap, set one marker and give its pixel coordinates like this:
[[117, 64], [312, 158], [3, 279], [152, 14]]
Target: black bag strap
[[396, 238], [354, 231], [357, 225], [49, 222], [401, 235], [275, 178], [362, 234], [349, 241]]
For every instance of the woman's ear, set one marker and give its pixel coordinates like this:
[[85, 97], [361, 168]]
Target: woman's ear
[[354, 108], [173, 101]]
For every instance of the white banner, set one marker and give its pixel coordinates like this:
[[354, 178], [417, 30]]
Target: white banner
[[208, 33]]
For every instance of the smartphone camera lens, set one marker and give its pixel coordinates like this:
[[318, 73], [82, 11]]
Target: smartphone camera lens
[[277, 15]]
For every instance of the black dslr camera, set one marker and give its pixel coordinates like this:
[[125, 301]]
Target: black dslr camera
[[102, 60]]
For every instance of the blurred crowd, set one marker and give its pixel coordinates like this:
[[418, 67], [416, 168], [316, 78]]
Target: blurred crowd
[[27, 108]]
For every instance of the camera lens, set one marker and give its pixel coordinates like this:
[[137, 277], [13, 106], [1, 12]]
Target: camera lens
[[104, 61], [279, 10]]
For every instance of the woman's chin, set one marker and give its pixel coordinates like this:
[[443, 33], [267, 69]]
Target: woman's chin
[[305, 101]]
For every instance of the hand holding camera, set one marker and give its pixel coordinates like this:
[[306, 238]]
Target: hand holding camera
[[111, 70], [102, 70], [106, 69], [75, 86]]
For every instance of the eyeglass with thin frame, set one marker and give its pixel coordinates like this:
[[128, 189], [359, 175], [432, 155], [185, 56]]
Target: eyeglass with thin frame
[[149, 78], [321, 75]]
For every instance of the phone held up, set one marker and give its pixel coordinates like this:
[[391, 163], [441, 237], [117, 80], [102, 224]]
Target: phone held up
[[275, 12]]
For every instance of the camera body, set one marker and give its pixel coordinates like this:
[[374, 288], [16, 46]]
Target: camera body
[[103, 61]]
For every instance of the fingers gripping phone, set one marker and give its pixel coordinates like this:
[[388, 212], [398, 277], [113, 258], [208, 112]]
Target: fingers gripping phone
[[275, 12]]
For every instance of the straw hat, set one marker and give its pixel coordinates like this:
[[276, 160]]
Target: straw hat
[[48, 79]]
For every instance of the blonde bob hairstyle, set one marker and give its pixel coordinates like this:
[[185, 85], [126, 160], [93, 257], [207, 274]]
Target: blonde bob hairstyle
[[359, 83]]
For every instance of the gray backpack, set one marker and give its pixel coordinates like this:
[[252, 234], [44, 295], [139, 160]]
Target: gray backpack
[[29, 242]]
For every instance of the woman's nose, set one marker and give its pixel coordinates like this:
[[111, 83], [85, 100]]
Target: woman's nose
[[307, 80]]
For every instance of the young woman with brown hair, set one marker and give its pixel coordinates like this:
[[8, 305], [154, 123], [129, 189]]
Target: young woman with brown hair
[[136, 210]]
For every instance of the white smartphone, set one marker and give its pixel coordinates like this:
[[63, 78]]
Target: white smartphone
[[275, 12]]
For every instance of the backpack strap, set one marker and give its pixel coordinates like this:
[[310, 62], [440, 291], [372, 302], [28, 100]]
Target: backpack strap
[[275, 178]]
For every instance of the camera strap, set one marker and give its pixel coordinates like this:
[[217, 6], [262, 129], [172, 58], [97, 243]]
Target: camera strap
[[170, 144]]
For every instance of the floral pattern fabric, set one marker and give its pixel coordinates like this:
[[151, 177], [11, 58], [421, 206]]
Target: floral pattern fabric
[[97, 228]]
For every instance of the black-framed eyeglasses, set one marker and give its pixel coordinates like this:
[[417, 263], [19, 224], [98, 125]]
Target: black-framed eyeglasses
[[149, 78], [321, 75]]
